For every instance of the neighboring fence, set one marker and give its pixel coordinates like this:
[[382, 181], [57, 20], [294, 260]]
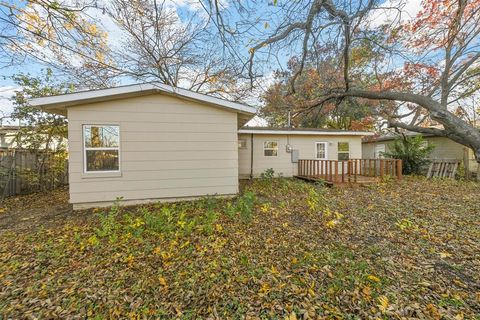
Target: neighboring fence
[[349, 170], [443, 168], [25, 171]]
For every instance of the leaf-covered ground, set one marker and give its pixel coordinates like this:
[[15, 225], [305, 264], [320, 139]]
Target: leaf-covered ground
[[285, 249]]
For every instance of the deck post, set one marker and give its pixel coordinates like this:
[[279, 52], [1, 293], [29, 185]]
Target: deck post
[[356, 170], [381, 168], [336, 171], [399, 170]]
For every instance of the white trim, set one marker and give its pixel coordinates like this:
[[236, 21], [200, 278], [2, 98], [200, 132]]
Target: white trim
[[70, 99], [309, 132], [85, 149], [326, 150], [276, 149]]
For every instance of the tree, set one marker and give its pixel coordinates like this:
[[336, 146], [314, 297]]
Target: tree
[[151, 41], [439, 51], [43, 134], [61, 35], [159, 45], [319, 72]]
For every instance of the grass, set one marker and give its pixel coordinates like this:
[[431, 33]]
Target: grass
[[284, 248]]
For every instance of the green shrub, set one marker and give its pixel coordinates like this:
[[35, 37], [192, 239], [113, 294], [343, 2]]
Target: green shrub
[[243, 205], [268, 174], [413, 151], [109, 225]]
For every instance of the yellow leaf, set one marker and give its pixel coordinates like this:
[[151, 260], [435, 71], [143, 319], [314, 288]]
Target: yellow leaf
[[373, 278], [294, 260], [383, 303], [444, 255], [274, 270], [162, 281], [367, 292], [331, 224], [264, 289], [291, 316]]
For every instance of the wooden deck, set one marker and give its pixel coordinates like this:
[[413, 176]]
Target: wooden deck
[[361, 180], [348, 172]]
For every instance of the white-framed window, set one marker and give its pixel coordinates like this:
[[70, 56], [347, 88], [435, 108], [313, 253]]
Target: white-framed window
[[321, 150], [343, 151], [242, 144], [101, 148], [270, 148], [379, 150]]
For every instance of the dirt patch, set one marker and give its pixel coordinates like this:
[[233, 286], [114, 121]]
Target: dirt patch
[[28, 212]]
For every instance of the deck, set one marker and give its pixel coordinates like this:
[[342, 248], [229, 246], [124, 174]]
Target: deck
[[353, 171]]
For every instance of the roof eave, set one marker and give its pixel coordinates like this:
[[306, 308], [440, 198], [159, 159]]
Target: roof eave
[[59, 103], [304, 132]]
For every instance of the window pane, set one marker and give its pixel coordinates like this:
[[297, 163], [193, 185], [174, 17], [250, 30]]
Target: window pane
[[321, 154], [102, 160], [270, 153], [270, 144], [101, 136], [343, 156], [343, 147]]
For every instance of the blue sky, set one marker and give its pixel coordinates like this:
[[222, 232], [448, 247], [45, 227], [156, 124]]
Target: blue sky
[[7, 87]]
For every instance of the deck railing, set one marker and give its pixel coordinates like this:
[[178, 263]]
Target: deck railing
[[340, 171]]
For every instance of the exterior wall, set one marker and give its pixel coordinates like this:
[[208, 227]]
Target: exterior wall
[[444, 149], [169, 149], [282, 163]]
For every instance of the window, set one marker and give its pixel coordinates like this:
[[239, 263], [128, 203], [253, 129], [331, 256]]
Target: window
[[242, 144], [321, 150], [101, 148], [343, 151], [270, 148], [379, 150]]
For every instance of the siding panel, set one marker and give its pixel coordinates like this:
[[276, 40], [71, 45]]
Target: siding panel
[[282, 163], [169, 148]]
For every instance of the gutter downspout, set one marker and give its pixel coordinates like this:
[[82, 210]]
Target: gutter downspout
[[251, 156]]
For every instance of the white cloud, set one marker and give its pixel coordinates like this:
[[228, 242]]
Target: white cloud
[[395, 11]]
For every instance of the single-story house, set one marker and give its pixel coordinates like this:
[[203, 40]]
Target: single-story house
[[262, 148], [445, 149], [153, 142]]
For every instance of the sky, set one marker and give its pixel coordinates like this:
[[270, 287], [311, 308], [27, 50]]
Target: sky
[[8, 87]]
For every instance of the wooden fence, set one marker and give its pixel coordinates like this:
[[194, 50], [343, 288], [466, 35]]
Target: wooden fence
[[349, 170], [443, 168], [25, 171]]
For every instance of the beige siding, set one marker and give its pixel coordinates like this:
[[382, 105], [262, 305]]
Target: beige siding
[[169, 148], [282, 163], [444, 149]]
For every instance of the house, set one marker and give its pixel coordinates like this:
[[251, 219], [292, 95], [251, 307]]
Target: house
[[8, 135], [445, 149], [279, 149], [151, 142]]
